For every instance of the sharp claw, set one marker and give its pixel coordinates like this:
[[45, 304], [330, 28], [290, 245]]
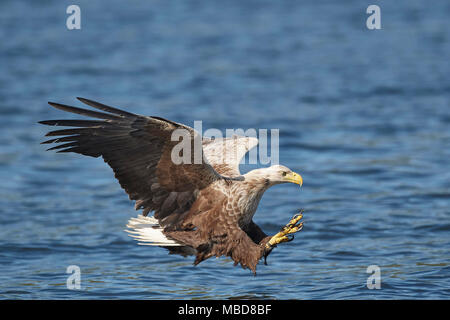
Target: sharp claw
[[286, 233]]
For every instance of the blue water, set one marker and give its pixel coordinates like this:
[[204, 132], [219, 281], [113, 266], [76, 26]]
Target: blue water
[[364, 116]]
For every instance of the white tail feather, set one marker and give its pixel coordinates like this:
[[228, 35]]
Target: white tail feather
[[148, 232]]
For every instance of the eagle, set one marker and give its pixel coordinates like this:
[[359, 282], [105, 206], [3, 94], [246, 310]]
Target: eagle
[[203, 208]]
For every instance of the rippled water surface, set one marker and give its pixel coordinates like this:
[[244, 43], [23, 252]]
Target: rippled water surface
[[363, 116]]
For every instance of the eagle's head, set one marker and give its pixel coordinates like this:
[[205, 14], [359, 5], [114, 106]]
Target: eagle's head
[[275, 175]]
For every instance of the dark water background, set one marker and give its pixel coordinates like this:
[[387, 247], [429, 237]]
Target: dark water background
[[363, 115]]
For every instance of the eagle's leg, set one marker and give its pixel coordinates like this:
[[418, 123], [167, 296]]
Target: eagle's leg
[[286, 233]]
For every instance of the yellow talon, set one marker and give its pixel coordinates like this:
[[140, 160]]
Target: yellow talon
[[292, 227]]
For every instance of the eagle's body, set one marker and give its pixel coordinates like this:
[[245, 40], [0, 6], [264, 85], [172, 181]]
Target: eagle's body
[[205, 209]]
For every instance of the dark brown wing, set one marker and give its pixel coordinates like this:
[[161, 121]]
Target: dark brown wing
[[138, 149]]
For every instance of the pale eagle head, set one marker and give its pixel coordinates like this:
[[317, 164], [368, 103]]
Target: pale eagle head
[[274, 175]]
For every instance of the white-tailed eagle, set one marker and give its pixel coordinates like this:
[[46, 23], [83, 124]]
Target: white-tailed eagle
[[205, 208]]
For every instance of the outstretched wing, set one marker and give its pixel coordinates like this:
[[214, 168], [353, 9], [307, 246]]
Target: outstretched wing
[[226, 154], [138, 149]]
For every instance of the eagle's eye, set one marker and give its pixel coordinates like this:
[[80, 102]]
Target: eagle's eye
[[284, 173]]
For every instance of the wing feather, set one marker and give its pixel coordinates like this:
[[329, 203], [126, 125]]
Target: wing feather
[[138, 149], [226, 154]]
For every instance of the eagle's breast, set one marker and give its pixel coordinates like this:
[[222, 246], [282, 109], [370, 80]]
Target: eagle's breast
[[241, 200]]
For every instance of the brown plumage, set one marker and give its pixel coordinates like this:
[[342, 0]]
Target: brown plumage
[[204, 209]]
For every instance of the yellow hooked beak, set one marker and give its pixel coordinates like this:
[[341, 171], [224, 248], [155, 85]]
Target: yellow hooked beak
[[294, 178]]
